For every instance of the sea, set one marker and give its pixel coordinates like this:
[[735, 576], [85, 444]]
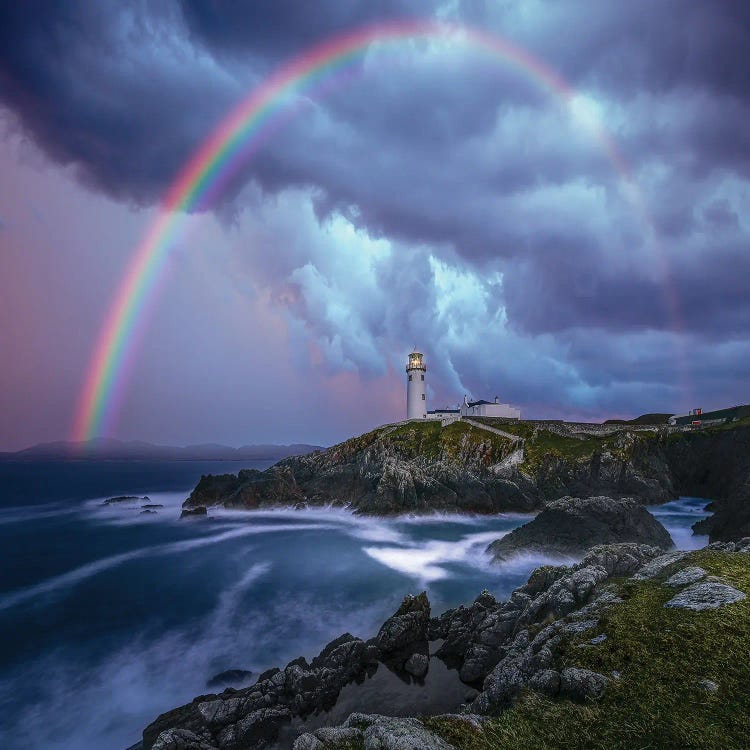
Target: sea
[[110, 616]]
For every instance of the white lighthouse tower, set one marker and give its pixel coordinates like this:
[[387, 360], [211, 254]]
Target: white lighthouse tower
[[416, 400]]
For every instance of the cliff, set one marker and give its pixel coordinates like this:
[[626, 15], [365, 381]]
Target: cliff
[[420, 467]]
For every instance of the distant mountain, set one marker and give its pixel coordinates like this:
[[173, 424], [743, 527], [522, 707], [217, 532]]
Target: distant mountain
[[109, 449]]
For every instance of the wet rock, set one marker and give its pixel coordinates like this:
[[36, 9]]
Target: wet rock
[[152, 506], [148, 512], [708, 595], [197, 512], [408, 627], [582, 684], [229, 677], [571, 525], [129, 499], [686, 576], [417, 665]]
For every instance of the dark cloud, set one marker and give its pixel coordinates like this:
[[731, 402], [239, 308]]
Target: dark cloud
[[497, 206]]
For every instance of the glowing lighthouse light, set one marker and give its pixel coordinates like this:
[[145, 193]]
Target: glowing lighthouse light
[[416, 400]]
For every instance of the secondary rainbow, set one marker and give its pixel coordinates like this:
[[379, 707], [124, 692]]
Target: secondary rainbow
[[230, 145]]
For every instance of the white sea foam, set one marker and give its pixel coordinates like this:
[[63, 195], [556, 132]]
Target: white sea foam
[[423, 561]]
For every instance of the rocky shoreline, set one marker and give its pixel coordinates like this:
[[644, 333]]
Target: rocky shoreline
[[500, 650], [423, 468]]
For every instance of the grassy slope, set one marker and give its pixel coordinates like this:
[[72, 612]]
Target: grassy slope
[[661, 655], [457, 441]]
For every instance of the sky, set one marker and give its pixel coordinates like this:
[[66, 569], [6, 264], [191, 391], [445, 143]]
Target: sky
[[433, 196]]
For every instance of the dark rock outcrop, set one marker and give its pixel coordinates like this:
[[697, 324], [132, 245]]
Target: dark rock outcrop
[[130, 499], [571, 525], [198, 512]]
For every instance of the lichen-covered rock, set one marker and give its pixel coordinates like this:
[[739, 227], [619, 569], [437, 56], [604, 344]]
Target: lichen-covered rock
[[571, 525], [582, 684], [708, 595], [181, 739], [392, 733], [546, 681], [686, 576]]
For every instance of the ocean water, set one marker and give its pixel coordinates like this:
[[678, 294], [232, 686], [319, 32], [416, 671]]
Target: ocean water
[[109, 616]]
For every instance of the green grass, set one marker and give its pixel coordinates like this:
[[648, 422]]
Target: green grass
[[457, 441], [661, 655]]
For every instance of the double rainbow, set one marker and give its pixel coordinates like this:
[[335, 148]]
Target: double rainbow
[[232, 142]]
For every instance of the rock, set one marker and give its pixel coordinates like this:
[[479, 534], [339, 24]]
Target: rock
[[197, 512], [391, 733], [709, 595], [329, 738], [546, 681], [417, 665], [721, 547], [229, 677], [571, 525], [596, 640], [582, 684], [743, 545], [130, 499], [406, 628], [470, 695], [686, 576], [148, 512], [152, 506], [181, 739], [657, 566], [708, 685]]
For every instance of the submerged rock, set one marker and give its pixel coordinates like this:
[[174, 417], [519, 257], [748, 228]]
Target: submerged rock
[[571, 525], [125, 499]]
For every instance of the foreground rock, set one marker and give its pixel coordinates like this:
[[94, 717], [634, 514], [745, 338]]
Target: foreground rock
[[502, 650], [708, 595], [571, 525]]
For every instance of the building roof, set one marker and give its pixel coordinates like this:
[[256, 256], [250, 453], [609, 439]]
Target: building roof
[[480, 402], [444, 411]]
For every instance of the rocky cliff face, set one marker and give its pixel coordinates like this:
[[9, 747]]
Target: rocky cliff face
[[571, 525], [421, 468]]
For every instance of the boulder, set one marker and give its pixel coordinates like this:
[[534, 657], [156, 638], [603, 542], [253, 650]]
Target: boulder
[[707, 595], [417, 665], [686, 576], [408, 627], [582, 684], [129, 499], [571, 525]]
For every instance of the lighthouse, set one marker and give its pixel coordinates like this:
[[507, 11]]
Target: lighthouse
[[416, 400]]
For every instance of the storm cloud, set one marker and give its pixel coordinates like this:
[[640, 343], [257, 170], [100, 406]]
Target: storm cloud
[[434, 195]]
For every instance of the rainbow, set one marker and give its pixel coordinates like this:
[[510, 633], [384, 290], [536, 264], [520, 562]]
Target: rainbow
[[235, 139]]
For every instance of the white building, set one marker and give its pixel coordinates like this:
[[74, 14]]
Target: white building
[[416, 398], [484, 408]]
